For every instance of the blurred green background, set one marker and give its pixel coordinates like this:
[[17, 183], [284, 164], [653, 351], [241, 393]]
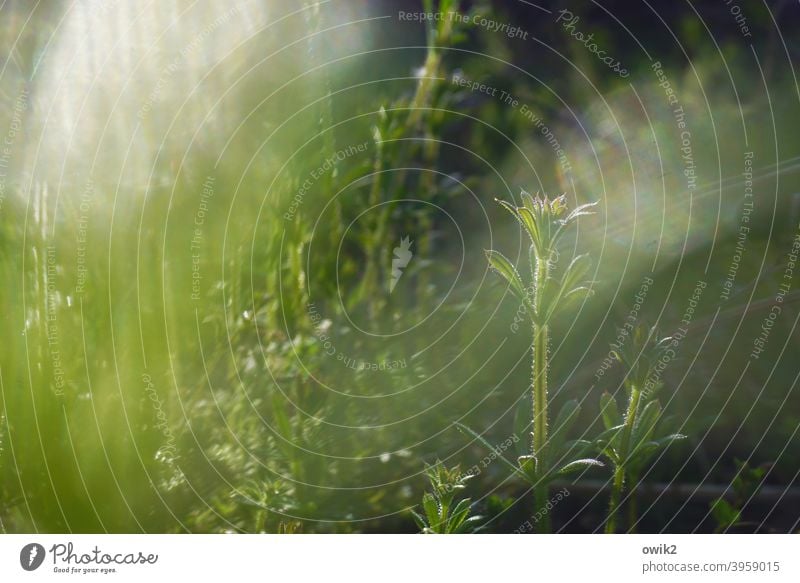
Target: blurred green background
[[199, 208]]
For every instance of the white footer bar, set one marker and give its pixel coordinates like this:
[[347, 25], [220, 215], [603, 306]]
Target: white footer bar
[[406, 558]]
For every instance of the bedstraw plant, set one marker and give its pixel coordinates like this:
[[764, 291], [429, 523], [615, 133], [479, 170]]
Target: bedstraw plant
[[548, 293], [441, 513], [630, 441]]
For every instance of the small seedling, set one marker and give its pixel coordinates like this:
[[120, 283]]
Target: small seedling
[[745, 486], [441, 513]]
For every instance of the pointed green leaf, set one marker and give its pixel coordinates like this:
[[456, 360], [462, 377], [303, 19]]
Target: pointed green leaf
[[577, 294], [609, 411], [528, 467], [575, 271], [419, 520], [528, 201], [579, 465], [610, 433], [470, 524], [504, 267], [645, 423], [608, 442], [642, 453], [432, 509], [459, 515], [611, 454], [528, 221], [488, 446], [574, 449], [580, 211], [568, 287], [670, 439], [575, 297], [558, 206], [644, 450], [525, 218], [724, 513], [533, 259]]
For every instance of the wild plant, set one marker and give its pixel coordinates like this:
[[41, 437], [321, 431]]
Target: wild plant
[[270, 503], [630, 441], [442, 514], [744, 486], [408, 129], [547, 294]]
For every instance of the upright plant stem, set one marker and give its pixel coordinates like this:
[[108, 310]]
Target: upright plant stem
[[378, 250], [633, 510], [616, 492], [619, 471], [540, 356], [540, 422]]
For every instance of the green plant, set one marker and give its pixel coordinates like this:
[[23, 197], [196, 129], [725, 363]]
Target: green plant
[[441, 513], [547, 295], [270, 502], [629, 441], [407, 132], [745, 485]]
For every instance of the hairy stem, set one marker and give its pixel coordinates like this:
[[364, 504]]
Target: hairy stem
[[540, 424], [616, 493], [633, 510], [540, 393], [619, 471], [540, 366]]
